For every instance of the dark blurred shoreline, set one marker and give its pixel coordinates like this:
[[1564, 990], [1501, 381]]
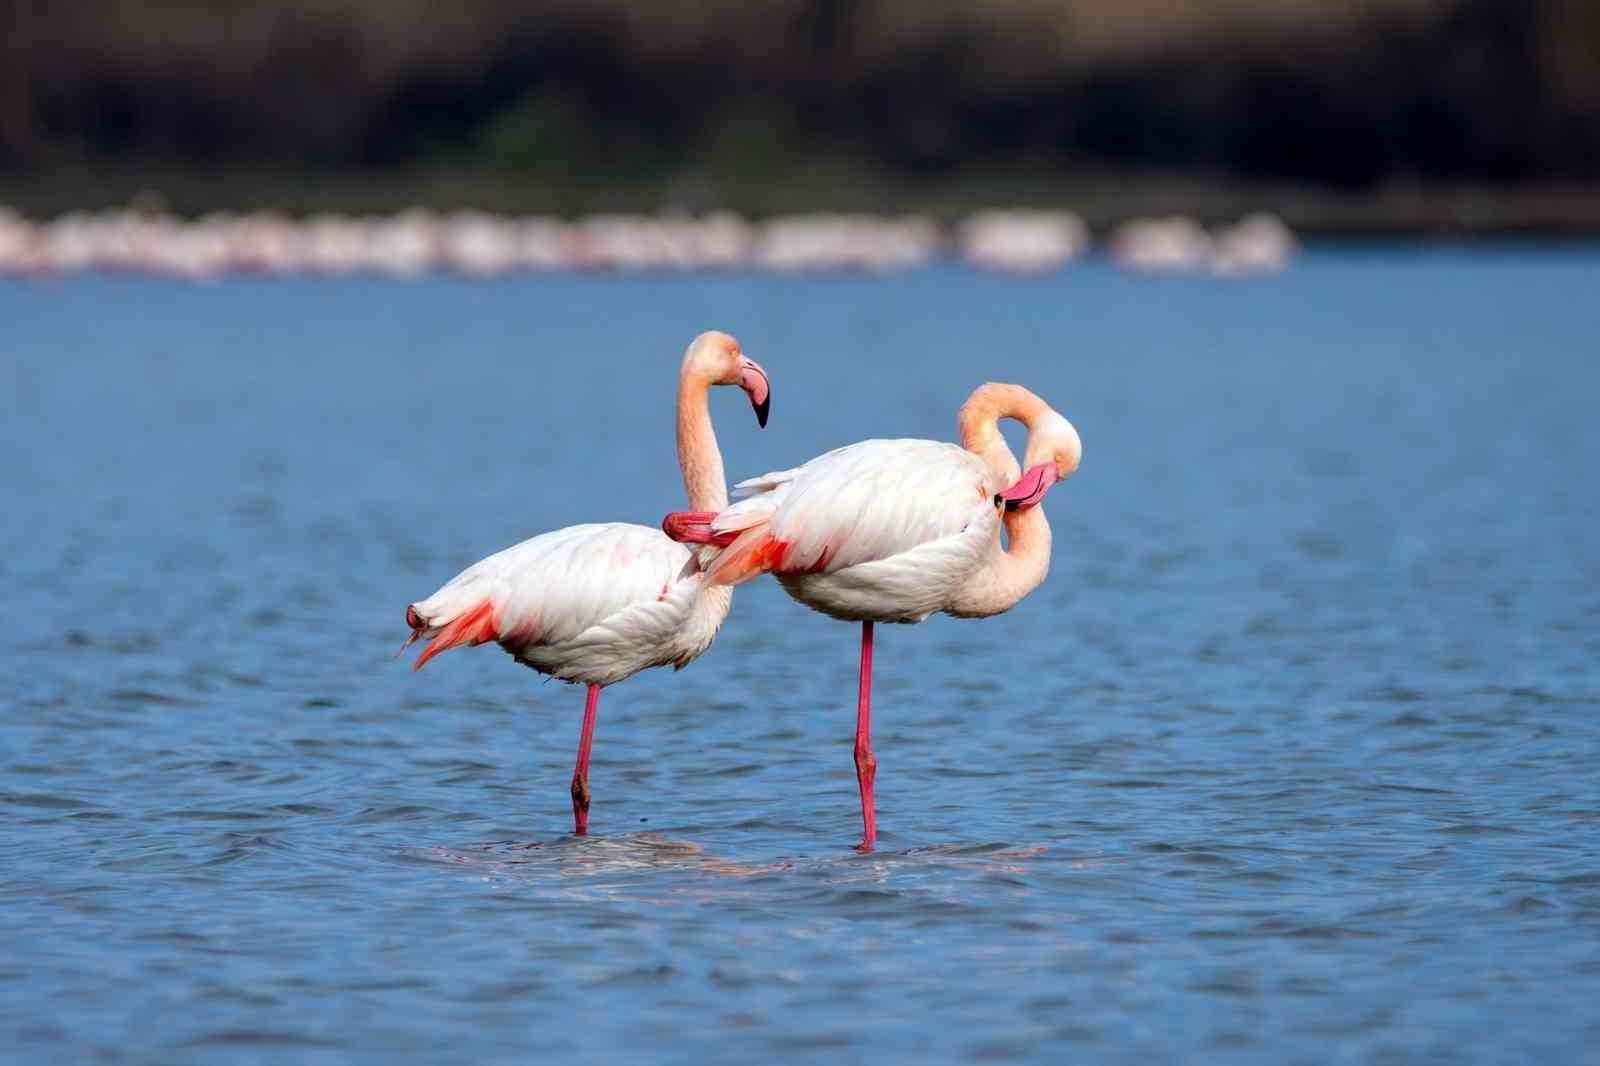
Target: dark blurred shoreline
[[1340, 116]]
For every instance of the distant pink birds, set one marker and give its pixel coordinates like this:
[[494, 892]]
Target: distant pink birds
[[598, 603], [895, 530]]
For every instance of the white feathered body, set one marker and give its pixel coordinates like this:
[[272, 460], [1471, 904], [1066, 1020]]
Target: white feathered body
[[880, 530], [589, 603]]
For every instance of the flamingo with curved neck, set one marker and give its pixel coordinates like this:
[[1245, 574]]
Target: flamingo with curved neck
[[1008, 574], [597, 603], [896, 530]]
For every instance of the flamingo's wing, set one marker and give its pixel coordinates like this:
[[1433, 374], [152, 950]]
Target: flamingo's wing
[[551, 588], [868, 501], [755, 486]]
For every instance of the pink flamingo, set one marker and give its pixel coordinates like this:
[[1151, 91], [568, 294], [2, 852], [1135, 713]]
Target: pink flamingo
[[598, 603], [894, 530]]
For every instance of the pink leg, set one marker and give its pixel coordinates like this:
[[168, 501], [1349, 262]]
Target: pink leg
[[866, 762], [580, 776]]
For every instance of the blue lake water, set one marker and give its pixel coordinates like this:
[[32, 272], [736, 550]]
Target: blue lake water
[[1294, 758]]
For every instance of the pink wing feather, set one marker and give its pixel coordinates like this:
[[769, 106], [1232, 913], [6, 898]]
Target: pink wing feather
[[869, 501], [548, 589]]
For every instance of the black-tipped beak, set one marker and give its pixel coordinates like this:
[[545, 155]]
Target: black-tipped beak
[[754, 382], [1029, 489]]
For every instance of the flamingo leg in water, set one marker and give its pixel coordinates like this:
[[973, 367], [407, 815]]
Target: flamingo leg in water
[[866, 762], [580, 776]]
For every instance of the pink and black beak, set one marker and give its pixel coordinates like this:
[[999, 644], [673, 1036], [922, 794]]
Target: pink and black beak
[[1029, 489], [754, 381]]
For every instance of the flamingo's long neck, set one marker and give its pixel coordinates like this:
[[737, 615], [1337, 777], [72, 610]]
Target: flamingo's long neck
[[700, 460], [1010, 573], [698, 456], [979, 423]]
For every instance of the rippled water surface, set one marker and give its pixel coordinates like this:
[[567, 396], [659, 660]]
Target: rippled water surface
[[1294, 758]]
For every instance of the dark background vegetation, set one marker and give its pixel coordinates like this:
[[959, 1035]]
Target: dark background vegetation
[[1376, 113]]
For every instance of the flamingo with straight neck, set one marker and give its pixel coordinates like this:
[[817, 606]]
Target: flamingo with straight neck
[[895, 530], [597, 603]]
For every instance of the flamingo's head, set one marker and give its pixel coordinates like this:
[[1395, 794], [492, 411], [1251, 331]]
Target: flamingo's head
[[1054, 451], [716, 358]]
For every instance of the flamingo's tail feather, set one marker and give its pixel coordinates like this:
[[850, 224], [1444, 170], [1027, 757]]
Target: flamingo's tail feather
[[414, 620], [473, 626]]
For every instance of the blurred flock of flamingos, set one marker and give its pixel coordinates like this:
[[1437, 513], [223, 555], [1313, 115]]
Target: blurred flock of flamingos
[[479, 245]]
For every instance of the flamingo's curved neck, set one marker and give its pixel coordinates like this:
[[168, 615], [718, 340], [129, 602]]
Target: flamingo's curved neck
[[1027, 554], [698, 456], [979, 423], [1010, 573]]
